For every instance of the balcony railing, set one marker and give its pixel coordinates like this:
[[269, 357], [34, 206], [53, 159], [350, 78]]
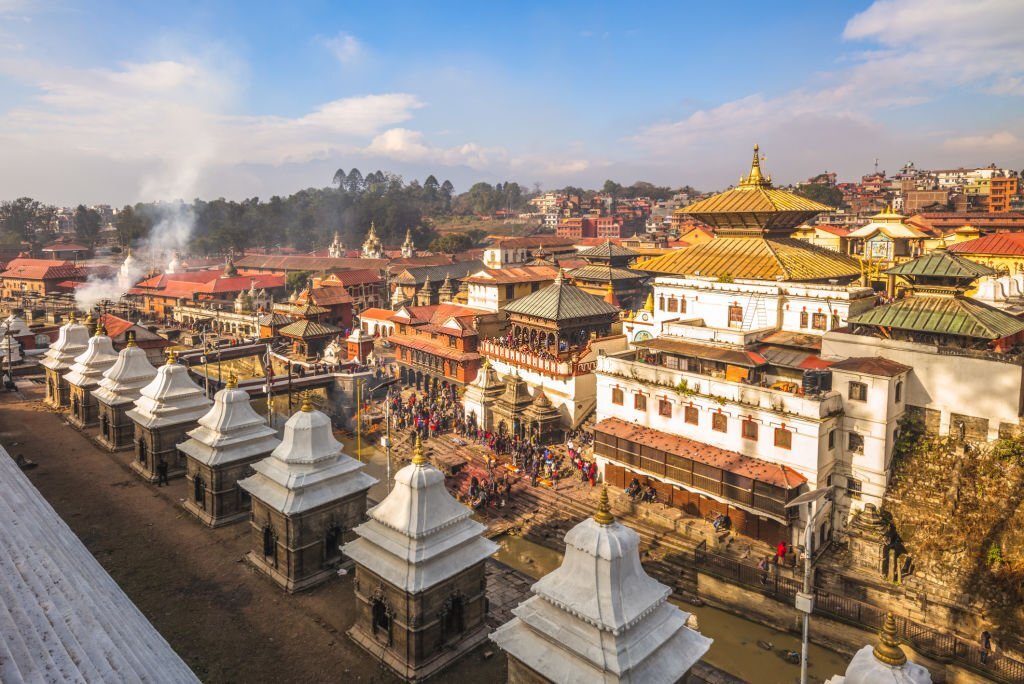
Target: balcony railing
[[525, 359]]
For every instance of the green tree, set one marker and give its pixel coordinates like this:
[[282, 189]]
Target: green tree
[[825, 194], [87, 224], [452, 243], [26, 219], [612, 188], [130, 226], [297, 280], [340, 178], [354, 182]]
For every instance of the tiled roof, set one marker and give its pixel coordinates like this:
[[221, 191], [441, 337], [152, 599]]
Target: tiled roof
[[756, 259], [376, 314], [307, 263], [755, 206], [210, 282], [872, 365], [330, 296], [894, 231], [997, 244], [838, 231], [275, 319], [438, 313], [421, 274], [561, 301], [438, 347], [598, 272], [516, 274], [65, 247], [40, 269], [607, 250], [356, 276], [730, 461], [305, 329], [534, 241], [941, 263], [943, 315], [734, 356]]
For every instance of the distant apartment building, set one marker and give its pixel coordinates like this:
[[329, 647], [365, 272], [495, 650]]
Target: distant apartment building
[[593, 227]]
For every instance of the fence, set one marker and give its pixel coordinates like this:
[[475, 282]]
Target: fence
[[931, 642]]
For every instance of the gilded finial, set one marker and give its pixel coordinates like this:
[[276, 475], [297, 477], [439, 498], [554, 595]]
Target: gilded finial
[[89, 320], [232, 382], [649, 306], [307, 403], [73, 318], [172, 357], [604, 509], [888, 649], [417, 455], [100, 330], [131, 338], [755, 177]]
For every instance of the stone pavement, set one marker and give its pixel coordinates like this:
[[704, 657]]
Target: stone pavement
[[506, 589]]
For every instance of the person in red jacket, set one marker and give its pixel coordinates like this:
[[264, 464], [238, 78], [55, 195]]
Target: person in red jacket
[[780, 553]]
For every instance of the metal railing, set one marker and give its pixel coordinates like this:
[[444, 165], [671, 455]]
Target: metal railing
[[929, 641]]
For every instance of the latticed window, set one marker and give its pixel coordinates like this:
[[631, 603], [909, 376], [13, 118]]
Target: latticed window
[[735, 315], [617, 396], [673, 305], [858, 391], [803, 319], [719, 422], [819, 321]]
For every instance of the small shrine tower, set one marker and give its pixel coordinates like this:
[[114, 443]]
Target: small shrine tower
[[372, 246], [336, 249], [167, 408], [306, 498], [219, 453], [117, 392], [360, 345], [85, 376], [408, 247], [72, 340], [420, 583], [599, 617]]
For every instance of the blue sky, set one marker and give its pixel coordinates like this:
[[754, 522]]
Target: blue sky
[[117, 102]]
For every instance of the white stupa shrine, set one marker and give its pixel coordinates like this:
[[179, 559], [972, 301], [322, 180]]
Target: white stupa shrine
[[175, 264], [307, 496], [10, 346], [884, 663], [84, 376], [128, 273], [420, 577], [229, 439], [167, 408], [72, 340], [17, 326], [118, 389], [599, 617]]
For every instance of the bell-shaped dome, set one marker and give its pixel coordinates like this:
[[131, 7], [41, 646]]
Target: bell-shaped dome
[[171, 398], [230, 431], [89, 367], [123, 382], [72, 340]]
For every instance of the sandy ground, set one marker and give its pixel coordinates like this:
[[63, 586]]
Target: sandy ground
[[226, 621]]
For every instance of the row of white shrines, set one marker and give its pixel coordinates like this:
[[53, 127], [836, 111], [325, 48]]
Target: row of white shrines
[[419, 556]]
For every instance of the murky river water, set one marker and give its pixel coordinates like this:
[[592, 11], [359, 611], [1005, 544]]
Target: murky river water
[[735, 648]]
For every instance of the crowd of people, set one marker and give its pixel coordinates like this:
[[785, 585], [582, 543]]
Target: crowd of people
[[523, 343], [427, 414]]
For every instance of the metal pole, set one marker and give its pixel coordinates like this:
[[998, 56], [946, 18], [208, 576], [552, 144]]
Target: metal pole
[[359, 420], [808, 532], [270, 398], [387, 445]]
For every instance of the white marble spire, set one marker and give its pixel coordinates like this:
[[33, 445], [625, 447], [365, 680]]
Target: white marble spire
[[599, 617], [124, 380], [89, 367], [171, 398], [72, 340], [231, 431], [419, 535], [17, 326], [9, 345], [308, 468]]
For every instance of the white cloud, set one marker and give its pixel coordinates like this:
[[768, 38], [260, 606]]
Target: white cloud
[[346, 48], [1000, 141], [407, 145]]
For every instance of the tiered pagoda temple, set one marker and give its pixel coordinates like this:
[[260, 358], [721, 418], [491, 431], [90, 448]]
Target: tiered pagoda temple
[[167, 408], [608, 269], [420, 582], [118, 389], [85, 375], [599, 617], [72, 340], [220, 452], [306, 498]]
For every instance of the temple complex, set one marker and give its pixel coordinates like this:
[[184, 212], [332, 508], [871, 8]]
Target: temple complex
[[884, 662], [599, 617], [607, 270], [219, 453], [72, 340], [420, 583], [118, 389], [85, 375], [167, 408], [307, 496]]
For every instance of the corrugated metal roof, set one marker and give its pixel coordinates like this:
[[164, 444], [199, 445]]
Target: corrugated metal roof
[[755, 258], [942, 264], [997, 244], [736, 357], [601, 273], [943, 315], [417, 275], [561, 301], [607, 250], [304, 329]]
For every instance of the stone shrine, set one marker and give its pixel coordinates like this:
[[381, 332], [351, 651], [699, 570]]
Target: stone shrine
[[117, 392], [306, 498], [420, 584], [85, 375], [599, 617], [167, 408], [72, 340], [480, 395], [220, 452]]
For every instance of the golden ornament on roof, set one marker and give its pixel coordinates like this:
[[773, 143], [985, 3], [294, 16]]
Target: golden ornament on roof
[[604, 510]]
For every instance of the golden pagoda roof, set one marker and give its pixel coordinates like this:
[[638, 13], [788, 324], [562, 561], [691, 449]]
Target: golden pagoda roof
[[754, 206], [755, 258]]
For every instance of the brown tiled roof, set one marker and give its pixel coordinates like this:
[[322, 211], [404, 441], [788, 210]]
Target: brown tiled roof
[[40, 269], [731, 461], [355, 276], [438, 347], [307, 263], [736, 357], [517, 274], [997, 244], [872, 365]]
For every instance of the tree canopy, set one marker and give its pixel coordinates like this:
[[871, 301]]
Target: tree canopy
[[826, 194], [26, 220]]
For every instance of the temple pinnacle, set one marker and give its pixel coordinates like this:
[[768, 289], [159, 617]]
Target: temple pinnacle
[[232, 382], [417, 456], [307, 403], [604, 510], [131, 338], [888, 649]]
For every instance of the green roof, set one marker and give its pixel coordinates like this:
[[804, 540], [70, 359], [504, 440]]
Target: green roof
[[607, 250], [561, 301], [941, 264], [305, 329], [602, 273], [943, 315]]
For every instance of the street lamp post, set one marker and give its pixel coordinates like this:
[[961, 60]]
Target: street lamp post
[[387, 441], [814, 502]]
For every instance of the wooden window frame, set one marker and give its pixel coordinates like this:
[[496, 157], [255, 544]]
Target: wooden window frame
[[689, 411], [618, 396], [783, 438], [717, 418]]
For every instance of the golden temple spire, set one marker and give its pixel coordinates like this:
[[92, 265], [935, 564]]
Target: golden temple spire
[[888, 649], [89, 320], [604, 510], [649, 305], [755, 177], [100, 330], [232, 382], [172, 357], [307, 403], [417, 455], [73, 318], [131, 338]]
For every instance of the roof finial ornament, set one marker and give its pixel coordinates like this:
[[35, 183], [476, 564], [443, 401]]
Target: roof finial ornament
[[755, 177], [232, 382], [172, 356], [100, 330], [73, 318], [131, 338], [417, 455], [888, 649], [649, 305], [307, 403], [604, 510]]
